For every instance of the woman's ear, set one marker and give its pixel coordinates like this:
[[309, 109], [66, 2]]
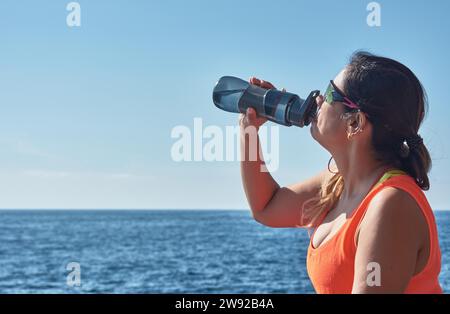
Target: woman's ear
[[355, 124]]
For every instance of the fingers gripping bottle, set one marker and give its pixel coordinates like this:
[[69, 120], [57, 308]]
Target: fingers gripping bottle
[[233, 94]]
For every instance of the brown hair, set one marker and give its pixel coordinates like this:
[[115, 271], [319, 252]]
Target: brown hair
[[396, 103]]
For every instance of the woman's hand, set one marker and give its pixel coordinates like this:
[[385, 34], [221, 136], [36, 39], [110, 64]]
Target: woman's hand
[[250, 118]]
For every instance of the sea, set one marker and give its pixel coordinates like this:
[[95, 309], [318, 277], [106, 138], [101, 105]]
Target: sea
[[158, 251]]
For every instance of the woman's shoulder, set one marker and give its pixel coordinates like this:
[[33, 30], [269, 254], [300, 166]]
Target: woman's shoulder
[[394, 210]]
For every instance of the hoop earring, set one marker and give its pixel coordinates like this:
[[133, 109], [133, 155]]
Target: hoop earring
[[329, 166]]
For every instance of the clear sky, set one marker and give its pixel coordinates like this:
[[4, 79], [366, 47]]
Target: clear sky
[[87, 112]]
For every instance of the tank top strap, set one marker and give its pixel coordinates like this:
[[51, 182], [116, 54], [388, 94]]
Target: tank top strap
[[401, 180], [360, 211], [389, 174]]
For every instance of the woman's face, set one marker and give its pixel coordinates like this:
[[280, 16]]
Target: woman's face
[[329, 128]]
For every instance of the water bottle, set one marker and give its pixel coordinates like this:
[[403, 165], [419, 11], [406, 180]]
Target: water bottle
[[233, 94]]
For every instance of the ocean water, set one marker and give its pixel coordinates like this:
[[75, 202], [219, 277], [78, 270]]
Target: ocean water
[[159, 252]]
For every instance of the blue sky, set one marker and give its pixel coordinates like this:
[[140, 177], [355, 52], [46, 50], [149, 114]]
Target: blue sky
[[87, 113]]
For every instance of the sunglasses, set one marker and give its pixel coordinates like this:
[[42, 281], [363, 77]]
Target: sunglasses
[[333, 93]]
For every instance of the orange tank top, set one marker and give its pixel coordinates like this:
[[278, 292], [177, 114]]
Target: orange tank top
[[331, 265]]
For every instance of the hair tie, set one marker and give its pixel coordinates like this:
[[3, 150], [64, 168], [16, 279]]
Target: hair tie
[[410, 143], [414, 141]]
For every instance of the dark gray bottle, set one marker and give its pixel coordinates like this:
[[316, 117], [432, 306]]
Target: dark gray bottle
[[233, 94]]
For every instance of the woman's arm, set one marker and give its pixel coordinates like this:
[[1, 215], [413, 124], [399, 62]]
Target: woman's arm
[[271, 205], [259, 186], [390, 237]]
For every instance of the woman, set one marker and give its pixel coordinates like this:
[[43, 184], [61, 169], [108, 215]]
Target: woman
[[374, 230]]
